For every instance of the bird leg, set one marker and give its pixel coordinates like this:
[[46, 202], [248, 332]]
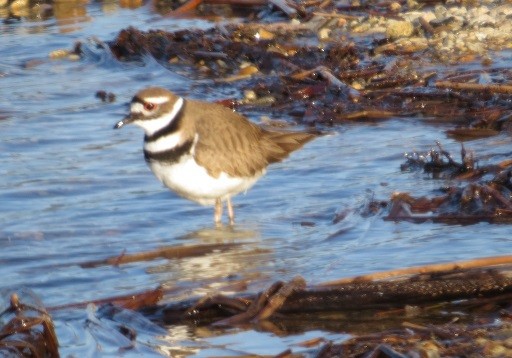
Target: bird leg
[[218, 211], [231, 212]]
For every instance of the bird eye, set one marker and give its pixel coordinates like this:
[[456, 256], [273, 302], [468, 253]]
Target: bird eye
[[148, 106]]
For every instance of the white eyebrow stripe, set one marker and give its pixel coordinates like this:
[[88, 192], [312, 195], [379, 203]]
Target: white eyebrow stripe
[[157, 100]]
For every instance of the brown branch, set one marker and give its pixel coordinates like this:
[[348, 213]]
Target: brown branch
[[331, 79], [426, 26], [191, 5], [186, 7], [368, 114], [130, 301], [494, 88], [165, 252], [475, 279], [427, 269], [285, 7], [279, 298], [336, 15]]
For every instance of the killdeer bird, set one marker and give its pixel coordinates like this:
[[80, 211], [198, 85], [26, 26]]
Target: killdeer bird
[[204, 151]]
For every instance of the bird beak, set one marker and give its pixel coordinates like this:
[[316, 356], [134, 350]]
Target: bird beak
[[126, 120]]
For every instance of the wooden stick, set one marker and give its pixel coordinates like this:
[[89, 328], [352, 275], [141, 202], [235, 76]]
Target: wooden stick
[[130, 301], [279, 298], [193, 4], [487, 261], [426, 26], [336, 15], [496, 88], [331, 79], [172, 252], [285, 7], [187, 7]]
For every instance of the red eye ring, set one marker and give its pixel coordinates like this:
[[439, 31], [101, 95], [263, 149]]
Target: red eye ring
[[148, 106]]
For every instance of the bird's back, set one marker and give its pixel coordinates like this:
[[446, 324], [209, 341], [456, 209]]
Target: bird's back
[[239, 148]]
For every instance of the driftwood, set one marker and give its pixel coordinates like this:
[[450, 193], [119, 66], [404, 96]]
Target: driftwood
[[475, 279], [173, 252], [493, 88], [427, 269], [423, 285], [134, 301]]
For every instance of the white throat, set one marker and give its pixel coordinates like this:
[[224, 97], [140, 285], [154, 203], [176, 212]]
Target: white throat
[[151, 126]]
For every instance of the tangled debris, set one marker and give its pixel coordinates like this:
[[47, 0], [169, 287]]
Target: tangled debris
[[413, 286], [482, 287], [408, 296], [486, 339], [333, 63], [26, 330], [489, 200], [330, 82]]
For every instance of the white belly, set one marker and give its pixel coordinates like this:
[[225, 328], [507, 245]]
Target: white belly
[[193, 182]]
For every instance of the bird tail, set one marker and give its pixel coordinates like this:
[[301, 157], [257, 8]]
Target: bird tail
[[281, 144]]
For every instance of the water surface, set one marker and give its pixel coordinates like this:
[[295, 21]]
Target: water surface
[[74, 190]]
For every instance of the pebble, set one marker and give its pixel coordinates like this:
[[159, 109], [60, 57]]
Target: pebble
[[397, 29], [17, 5], [461, 28], [395, 6], [263, 34], [58, 54], [324, 33], [250, 95]]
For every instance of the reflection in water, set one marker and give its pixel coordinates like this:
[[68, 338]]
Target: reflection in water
[[131, 4], [69, 14], [220, 234], [238, 268]]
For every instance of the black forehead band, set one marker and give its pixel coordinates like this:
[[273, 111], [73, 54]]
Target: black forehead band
[[137, 99]]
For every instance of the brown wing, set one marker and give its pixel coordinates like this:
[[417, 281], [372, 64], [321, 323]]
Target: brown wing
[[278, 145], [228, 142]]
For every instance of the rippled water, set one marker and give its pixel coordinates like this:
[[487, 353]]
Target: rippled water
[[74, 190]]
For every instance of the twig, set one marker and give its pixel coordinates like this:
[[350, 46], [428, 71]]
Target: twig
[[426, 26], [165, 252], [186, 7], [285, 7], [278, 299], [336, 15], [496, 88], [129, 301], [193, 4], [331, 78], [487, 261]]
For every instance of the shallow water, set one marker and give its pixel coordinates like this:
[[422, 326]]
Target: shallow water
[[74, 190]]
